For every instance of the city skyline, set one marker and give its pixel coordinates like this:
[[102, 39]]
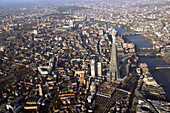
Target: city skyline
[[88, 56]]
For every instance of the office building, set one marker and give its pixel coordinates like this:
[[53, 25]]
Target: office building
[[99, 69], [93, 68]]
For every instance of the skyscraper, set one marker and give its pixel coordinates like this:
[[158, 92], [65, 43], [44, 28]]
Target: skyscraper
[[99, 69], [93, 68], [113, 62]]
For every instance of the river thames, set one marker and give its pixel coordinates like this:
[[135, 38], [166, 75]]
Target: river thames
[[162, 76]]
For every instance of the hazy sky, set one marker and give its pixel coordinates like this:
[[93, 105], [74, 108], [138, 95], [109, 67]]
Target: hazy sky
[[22, 1], [14, 2], [35, 1], [41, 0]]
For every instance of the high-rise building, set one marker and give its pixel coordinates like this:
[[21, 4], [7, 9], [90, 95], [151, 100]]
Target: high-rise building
[[93, 68], [99, 69], [124, 69], [40, 90], [113, 62]]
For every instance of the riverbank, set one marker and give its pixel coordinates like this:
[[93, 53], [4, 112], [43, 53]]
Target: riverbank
[[149, 40], [161, 76], [154, 90], [165, 59], [145, 36]]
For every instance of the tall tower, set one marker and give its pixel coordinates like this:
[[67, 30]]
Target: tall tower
[[113, 62]]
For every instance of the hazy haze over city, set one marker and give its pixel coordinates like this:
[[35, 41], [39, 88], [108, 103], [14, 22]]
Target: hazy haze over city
[[84, 56]]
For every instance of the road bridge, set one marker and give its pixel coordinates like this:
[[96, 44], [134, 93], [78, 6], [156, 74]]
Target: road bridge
[[149, 54], [160, 67], [146, 48], [130, 33]]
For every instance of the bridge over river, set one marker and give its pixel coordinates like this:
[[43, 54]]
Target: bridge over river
[[160, 67], [131, 33], [148, 52]]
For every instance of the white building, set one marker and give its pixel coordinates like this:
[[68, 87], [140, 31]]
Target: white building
[[44, 70], [93, 68], [40, 90], [99, 68]]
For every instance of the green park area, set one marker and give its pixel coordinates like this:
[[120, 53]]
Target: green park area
[[26, 74]]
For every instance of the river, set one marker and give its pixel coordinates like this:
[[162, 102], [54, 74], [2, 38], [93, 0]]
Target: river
[[162, 76]]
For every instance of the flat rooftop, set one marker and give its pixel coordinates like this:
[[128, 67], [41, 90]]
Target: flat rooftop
[[107, 88]]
